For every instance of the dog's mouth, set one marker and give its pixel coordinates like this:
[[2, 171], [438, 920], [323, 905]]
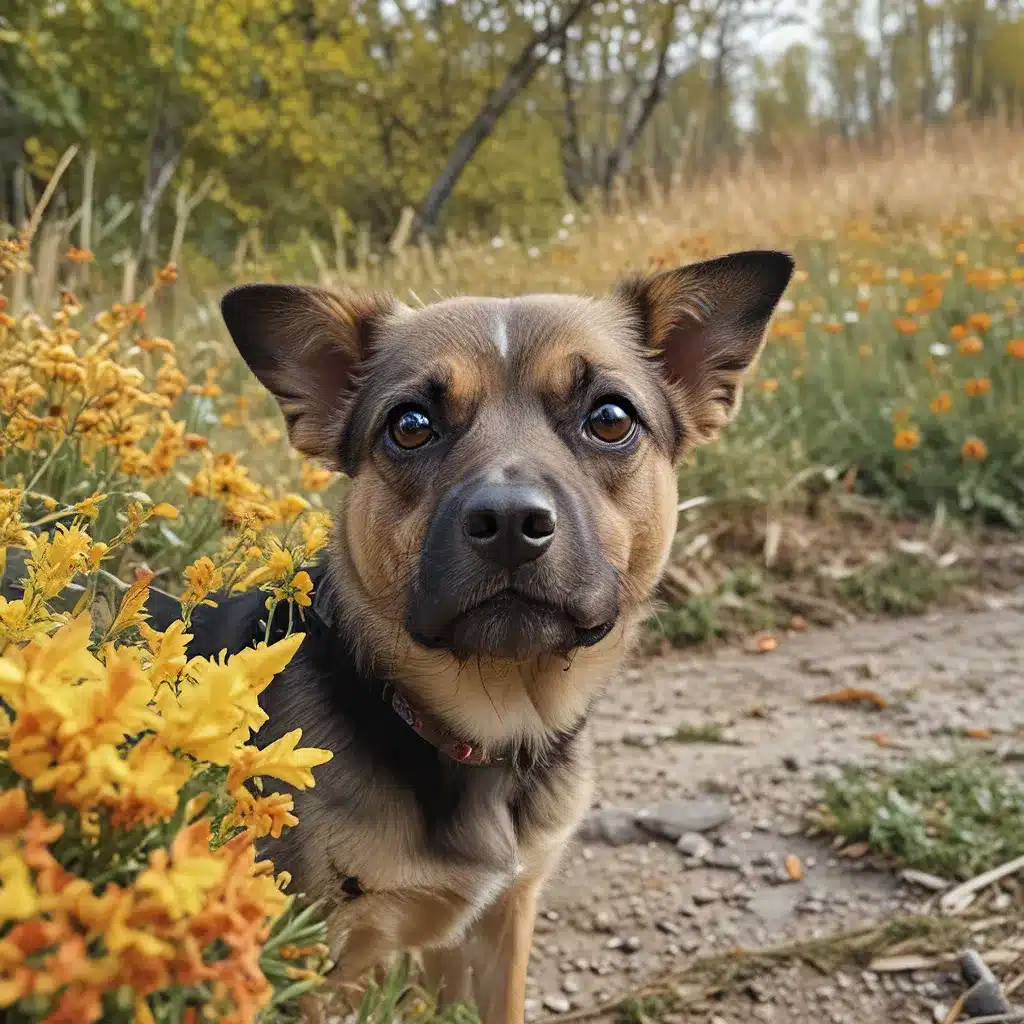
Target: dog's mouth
[[516, 625]]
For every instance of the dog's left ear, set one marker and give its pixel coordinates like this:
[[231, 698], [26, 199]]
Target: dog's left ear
[[305, 345], [706, 324]]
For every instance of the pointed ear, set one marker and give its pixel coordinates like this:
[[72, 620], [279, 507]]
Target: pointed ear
[[305, 345], [706, 324]]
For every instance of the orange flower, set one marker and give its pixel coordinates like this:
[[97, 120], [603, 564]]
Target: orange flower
[[76, 255], [769, 384], [1015, 348], [980, 321], [978, 386], [912, 305], [907, 439], [832, 327], [971, 345], [906, 326], [958, 331], [974, 449], [941, 403]]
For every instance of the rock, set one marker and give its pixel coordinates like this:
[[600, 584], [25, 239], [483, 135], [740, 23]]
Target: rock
[[702, 897], [615, 826], [693, 844], [631, 944], [723, 859], [556, 1003], [604, 921], [671, 819], [666, 926], [570, 986]]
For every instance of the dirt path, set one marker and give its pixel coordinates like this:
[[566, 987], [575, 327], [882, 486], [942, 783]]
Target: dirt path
[[624, 911]]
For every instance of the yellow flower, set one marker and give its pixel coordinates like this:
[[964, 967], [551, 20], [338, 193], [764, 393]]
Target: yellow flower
[[282, 760], [769, 384], [57, 559], [164, 510], [315, 478], [315, 528], [12, 531], [941, 403], [974, 449], [130, 612], [907, 439], [290, 505], [302, 587], [203, 577], [971, 345], [978, 386], [265, 816]]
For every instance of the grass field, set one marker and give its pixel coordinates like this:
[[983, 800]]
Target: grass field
[[137, 452]]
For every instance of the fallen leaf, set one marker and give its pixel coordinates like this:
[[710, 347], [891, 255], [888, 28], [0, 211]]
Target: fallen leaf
[[854, 851], [978, 733], [881, 739], [799, 623], [794, 867], [767, 644], [852, 695]]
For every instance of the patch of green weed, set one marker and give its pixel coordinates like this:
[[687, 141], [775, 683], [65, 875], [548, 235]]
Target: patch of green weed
[[953, 818]]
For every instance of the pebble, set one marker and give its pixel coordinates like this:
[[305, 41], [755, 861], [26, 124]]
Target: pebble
[[693, 844], [570, 986], [725, 859], [666, 926], [604, 921], [614, 826], [702, 897], [556, 1003], [631, 944]]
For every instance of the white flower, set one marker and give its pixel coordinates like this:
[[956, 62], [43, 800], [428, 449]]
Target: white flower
[[533, 252], [864, 291], [786, 306], [939, 350], [851, 316], [562, 234], [497, 242], [833, 276], [568, 219]]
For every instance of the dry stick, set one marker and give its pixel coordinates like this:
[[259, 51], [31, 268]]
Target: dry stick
[[20, 285], [953, 901]]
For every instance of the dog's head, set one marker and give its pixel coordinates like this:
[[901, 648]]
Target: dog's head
[[511, 461]]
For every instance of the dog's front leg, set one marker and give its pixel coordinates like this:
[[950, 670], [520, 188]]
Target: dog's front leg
[[502, 940]]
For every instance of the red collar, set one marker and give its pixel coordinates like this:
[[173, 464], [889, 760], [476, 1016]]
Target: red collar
[[436, 735]]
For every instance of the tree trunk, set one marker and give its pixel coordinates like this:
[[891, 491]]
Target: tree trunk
[[632, 130], [519, 76]]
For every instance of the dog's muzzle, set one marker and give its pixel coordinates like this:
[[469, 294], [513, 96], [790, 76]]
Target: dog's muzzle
[[511, 567]]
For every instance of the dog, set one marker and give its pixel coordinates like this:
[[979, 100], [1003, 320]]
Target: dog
[[510, 506]]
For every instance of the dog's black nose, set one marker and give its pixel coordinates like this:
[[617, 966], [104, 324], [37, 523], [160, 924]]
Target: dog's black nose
[[510, 524]]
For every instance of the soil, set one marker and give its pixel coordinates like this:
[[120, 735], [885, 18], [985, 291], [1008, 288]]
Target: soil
[[616, 917]]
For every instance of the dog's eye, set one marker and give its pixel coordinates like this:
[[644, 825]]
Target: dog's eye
[[409, 427], [611, 421]]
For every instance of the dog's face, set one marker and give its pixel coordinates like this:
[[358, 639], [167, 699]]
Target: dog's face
[[511, 461]]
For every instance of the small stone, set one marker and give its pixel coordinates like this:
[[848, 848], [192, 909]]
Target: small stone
[[702, 897], [671, 819], [666, 926], [556, 1003], [632, 944], [604, 921], [693, 844], [615, 942], [723, 859], [614, 826], [570, 986], [552, 915]]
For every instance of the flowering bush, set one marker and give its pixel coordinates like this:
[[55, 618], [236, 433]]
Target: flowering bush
[[130, 791]]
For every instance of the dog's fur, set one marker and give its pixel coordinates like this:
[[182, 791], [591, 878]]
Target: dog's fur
[[449, 857]]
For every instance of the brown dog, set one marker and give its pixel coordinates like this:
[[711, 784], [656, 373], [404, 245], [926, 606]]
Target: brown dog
[[511, 504]]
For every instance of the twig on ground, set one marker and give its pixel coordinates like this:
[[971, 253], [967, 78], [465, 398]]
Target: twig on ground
[[959, 899]]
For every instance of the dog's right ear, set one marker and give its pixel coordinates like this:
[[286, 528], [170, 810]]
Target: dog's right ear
[[305, 345]]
